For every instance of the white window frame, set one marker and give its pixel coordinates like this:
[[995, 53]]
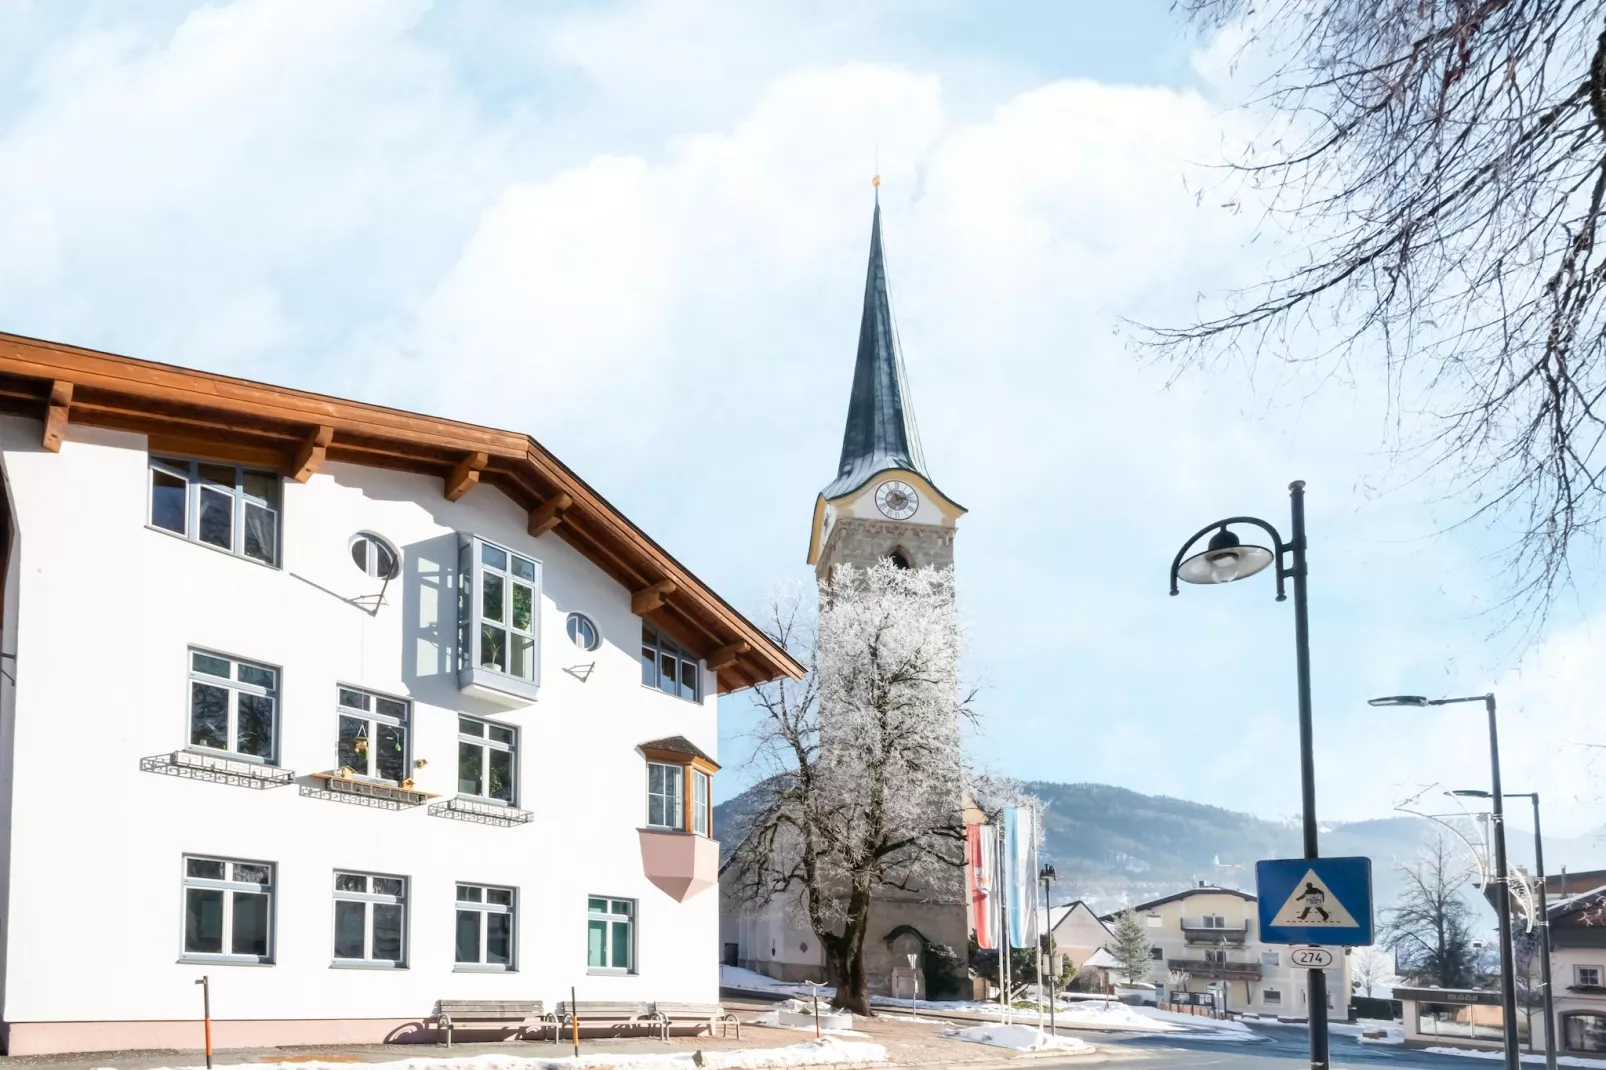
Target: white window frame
[[473, 572], [368, 898], [228, 887], [571, 628], [235, 688], [484, 907], [610, 917], [1213, 921], [679, 814], [1271, 958], [655, 648], [189, 470], [701, 802], [1215, 955], [372, 719], [372, 543], [487, 744], [1578, 976], [1271, 997]]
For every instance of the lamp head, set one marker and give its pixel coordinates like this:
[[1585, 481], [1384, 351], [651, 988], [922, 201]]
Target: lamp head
[[1470, 793], [1399, 700], [1224, 559], [1047, 875]]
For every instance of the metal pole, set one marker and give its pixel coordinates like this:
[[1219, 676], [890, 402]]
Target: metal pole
[[1544, 943], [1316, 984], [206, 1014], [1508, 973], [574, 1019], [1048, 913]]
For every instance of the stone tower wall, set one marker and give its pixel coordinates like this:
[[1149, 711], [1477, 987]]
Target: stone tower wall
[[862, 543]]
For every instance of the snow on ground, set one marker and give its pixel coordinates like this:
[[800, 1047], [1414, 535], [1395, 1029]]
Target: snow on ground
[[1021, 1038], [812, 1053], [772, 1019], [1528, 1057]]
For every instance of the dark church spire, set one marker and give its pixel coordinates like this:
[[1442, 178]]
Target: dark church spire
[[881, 432]]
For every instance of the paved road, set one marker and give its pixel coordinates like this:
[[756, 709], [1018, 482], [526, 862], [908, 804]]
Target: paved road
[[1281, 1048]]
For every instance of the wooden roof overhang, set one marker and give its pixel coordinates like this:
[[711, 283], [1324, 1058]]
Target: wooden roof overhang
[[202, 414]]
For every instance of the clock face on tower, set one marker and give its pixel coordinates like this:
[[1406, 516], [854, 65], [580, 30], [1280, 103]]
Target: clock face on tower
[[897, 499]]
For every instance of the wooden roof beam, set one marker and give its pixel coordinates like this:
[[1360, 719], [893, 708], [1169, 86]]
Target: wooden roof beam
[[311, 453], [724, 657], [652, 596], [465, 475], [550, 514], [56, 414]]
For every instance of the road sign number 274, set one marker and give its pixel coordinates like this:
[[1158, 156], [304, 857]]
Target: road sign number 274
[[1315, 958]]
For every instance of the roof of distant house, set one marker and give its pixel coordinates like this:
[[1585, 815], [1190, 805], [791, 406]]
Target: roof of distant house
[[1201, 889], [1101, 959]]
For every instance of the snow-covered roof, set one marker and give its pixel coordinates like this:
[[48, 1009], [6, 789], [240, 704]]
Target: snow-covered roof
[[1101, 959]]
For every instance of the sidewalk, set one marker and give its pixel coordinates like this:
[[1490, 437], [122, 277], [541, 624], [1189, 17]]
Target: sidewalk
[[903, 1039]]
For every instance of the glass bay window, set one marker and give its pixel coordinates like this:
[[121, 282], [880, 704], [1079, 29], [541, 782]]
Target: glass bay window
[[498, 621]]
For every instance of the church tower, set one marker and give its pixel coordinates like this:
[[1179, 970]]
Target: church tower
[[882, 503]]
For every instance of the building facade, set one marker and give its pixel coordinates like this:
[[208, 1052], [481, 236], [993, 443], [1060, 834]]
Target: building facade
[[393, 710], [1079, 936], [1207, 940], [882, 506]]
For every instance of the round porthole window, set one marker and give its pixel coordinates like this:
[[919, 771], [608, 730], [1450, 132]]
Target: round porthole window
[[374, 555], [583, 632]]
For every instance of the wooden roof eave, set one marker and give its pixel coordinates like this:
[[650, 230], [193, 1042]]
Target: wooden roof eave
[[270, 424]]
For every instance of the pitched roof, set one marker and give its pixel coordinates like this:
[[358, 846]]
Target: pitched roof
[[679, 745], [1057, 916], [198, 413], [881, 431], [1189, 893], [1101, 959]]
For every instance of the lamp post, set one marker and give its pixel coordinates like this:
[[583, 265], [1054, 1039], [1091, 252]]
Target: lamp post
[[1225, 559], [1544, 921], [1502, 888], [1046, 875]]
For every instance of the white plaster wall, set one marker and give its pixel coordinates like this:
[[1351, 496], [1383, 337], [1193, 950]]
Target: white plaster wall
[[101, 615]]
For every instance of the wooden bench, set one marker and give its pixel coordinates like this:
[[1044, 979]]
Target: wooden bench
[[449, 1012], [699, 1014], [601, 1012]]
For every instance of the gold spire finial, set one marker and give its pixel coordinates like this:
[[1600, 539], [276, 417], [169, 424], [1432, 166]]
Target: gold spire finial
[[876, 181]]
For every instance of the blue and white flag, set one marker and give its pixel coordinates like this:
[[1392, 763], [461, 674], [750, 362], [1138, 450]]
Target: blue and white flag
[[1020, 874]]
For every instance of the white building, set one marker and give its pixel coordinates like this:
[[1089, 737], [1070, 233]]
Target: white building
[[350, 709], [1207, 940]]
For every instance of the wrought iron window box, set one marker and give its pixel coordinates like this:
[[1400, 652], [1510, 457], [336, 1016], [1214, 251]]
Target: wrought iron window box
[[358, 792], [216, 769], [479, 813]]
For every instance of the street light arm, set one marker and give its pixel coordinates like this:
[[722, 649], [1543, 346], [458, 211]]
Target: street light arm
[[1278, 547], [1487, 700]]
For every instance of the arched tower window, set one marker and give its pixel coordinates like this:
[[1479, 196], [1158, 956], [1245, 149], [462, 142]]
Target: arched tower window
[[899, 558]]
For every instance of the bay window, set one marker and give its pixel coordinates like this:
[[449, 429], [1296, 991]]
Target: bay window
[[666, 798], [680, 786], [498, 621]]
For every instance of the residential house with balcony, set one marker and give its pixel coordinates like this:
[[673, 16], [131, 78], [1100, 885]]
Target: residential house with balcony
[[391, 709], [1206, 939]]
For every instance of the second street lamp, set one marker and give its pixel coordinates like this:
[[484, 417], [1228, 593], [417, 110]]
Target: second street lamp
[[1543, 910], [1224, 559], [1047, 877], [1502, 888]]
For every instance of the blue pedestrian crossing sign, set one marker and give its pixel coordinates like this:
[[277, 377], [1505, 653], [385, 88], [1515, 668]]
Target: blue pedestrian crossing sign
[[1315, 901]]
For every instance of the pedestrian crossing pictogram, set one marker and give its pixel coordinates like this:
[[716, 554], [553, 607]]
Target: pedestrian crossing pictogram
[[1313, 903]]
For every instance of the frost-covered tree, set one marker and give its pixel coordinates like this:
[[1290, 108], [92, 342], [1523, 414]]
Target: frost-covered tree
[[1131, 948], [1430, 928], [865, 775], [1370, 967]]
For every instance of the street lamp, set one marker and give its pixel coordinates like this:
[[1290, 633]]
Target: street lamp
[[1502, 888], [1544, 919], [1046, 876], [1224, 559]]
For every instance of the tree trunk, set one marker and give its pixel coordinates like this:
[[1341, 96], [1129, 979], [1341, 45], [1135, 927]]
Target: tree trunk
[[852, 987]]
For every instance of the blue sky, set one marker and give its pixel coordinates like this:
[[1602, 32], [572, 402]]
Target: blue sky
[[638, 231]]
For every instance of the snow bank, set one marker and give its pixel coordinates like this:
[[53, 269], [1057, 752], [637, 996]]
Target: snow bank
[[1021, 1038], [1534, 1057], [826, 1050]]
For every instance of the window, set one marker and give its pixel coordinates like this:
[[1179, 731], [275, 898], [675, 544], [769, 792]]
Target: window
[[666, 798], [1271, 997], [668, 666], [374, 555], [610, 935], [233, 705], [485, 760], [499, 598], [1584, 1032], [370, 920], [223, 505], [1215, 956], [1270, 958], [1587, 976], [583, 632], [485, 926], [228, 910], [1213, 921], [898, 559], [373, 735], [1153, 921], [1156, 954], [701, 785]]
